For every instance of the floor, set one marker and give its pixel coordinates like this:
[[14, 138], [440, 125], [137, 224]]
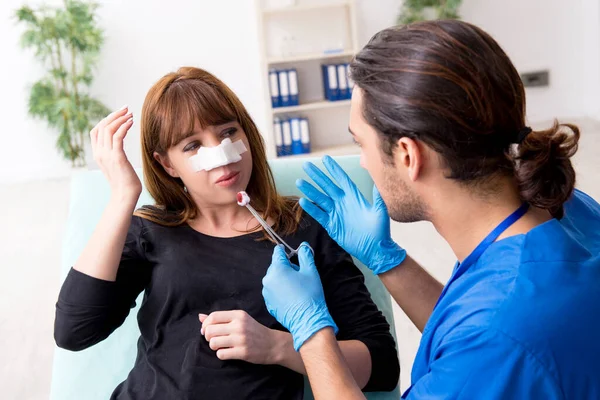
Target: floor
[[33, 219]]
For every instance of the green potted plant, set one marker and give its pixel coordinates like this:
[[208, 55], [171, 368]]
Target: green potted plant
[[422, 10], [67, 41]]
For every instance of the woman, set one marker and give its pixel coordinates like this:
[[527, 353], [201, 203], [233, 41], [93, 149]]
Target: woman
[[200, 258], [439, 112]]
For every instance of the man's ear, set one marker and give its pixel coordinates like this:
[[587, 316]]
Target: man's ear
[[166, 164], [409, 155]]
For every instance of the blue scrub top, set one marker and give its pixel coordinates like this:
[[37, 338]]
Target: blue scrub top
[[523, 322]]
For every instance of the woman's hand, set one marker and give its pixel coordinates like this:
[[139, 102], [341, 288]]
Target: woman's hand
[[107, 148], [235, 335]]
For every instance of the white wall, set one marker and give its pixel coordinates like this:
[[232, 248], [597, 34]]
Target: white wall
[[373, 16], [219, 36], [145, 39], [141, 46], [562, 36], [543, 34], [591, 47]]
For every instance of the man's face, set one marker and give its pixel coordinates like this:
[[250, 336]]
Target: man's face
[[388, 173]]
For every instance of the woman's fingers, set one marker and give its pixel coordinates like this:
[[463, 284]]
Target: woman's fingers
[[212, 331], [220, 342], [113, 116], [108, 135], [221, 317], [117, 141], [233, 353], [111, 129], [97, 134]]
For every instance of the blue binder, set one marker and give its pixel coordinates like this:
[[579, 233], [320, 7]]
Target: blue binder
[[330, 84], [274, 88]]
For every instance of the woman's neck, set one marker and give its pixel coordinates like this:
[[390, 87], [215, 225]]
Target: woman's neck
[[223, 220]]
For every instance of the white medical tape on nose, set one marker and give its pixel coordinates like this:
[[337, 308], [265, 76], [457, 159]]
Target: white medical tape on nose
[[226, 153]]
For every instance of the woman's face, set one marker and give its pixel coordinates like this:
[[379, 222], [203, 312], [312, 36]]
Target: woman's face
[[218, 186]]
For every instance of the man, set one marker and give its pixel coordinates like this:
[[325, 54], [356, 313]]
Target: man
[[439, 113]]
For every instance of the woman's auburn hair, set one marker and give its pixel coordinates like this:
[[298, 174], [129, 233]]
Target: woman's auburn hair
[[171, 109]]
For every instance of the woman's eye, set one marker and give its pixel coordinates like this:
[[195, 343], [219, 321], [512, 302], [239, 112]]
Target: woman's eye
[[356, 143], [191, 146], [229, 132]]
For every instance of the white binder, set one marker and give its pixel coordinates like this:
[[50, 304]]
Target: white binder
[[284, 88]]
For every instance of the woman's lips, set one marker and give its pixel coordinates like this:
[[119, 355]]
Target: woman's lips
[[228, 179]]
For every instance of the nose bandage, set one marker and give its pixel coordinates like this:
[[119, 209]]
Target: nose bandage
[[226, 153]]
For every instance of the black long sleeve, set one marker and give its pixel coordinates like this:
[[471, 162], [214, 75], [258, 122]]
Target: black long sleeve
[[89, 309], [183, 273]]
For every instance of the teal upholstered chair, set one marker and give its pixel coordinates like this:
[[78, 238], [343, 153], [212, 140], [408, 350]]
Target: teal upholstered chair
[[95, 372]]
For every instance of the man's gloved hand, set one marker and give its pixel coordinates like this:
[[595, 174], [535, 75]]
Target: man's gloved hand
[[294, 295], [362, 229]]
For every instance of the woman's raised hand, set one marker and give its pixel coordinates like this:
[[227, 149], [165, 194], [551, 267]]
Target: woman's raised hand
[[107, 148]]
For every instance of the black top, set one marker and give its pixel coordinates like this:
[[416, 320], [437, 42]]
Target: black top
[[184, 273]]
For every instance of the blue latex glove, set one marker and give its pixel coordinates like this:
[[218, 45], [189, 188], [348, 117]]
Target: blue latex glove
[[294, 295], [362, 229]]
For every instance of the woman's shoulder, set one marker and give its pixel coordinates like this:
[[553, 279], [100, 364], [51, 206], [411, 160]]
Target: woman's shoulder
[[151, 230], [138, 228], [151, 218], [155, 215], [139, 220]]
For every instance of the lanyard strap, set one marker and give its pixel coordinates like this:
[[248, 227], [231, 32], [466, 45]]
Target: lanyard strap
[[491, 238], [483, 246], [474, 256]]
